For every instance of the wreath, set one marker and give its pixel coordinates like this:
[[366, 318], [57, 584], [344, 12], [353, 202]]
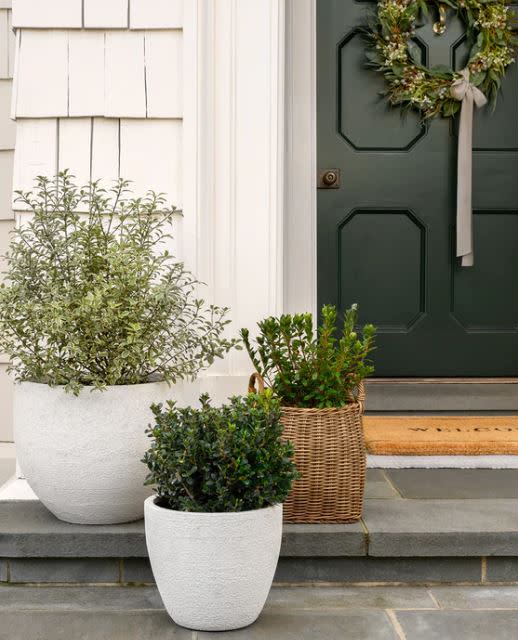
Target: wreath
[[411, 84]]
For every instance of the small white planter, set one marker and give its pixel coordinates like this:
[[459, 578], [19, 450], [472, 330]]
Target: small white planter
[[82, 455], [213, 570]]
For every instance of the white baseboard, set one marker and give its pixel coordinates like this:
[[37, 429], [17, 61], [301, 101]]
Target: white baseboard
[[442, 462]]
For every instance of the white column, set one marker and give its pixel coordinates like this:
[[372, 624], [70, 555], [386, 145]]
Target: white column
[[300, 230], [234, 156]]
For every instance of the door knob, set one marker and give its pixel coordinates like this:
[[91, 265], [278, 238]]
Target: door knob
[[329, 179]]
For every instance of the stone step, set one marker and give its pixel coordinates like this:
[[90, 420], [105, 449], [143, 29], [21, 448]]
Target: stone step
[[450, 394], [417, 526]]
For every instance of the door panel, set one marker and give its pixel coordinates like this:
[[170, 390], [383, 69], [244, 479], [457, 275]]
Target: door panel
[[495, 234], [386, 236], [355, 104], [368, 265]]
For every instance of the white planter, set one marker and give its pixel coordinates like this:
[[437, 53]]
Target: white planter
[[82, 455], [213, 570]]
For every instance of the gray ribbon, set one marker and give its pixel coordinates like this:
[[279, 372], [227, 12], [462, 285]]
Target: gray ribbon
[[468, 94]]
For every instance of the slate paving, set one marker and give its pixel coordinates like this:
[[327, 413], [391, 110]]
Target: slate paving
[[379, 486], [442, 527], [291, 613], [454, 484]]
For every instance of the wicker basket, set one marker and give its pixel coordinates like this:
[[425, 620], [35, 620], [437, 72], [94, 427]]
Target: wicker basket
[[330, 456]]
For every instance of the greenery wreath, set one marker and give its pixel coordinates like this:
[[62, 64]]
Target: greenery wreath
[[410, 84]]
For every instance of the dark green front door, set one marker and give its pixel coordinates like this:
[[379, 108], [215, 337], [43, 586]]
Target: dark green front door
[[386, 236]]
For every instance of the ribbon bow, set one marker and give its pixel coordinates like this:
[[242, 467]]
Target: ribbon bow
[[468, 94]]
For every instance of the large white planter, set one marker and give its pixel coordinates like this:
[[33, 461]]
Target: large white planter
[[213, 570], [82, 455]]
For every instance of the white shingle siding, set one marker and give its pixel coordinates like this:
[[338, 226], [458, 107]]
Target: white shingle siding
[[163, 63], [74, 143], [146, 151], [11, 43], [105, 150], [124, 75], [4, 43], [7, 126], [156, 14], [103, 14], [6, 185], [42, 74], [54, 14], [7, 142], [150, 155], [106, 14], [114, 73], [86, 61], [36, 151]]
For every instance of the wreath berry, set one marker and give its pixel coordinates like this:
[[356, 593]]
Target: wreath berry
[[489, 30]]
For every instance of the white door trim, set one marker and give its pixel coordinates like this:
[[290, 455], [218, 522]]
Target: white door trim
[[215, 51], [233, 159], [300, 218]]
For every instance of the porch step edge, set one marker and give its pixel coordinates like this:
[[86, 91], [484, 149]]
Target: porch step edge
[[425, 395], [300, 571], [397, 528]]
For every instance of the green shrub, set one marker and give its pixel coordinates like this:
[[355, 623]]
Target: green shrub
[[95, 298], [229, 458], [305, 369]]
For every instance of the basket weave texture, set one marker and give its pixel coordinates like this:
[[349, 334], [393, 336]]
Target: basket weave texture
[[330, 457]]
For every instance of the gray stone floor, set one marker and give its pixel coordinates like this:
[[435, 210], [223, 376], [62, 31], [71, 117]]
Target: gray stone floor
[[298, 613], [451, 484], [442, 484]]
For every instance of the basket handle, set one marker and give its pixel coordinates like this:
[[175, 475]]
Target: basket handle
[[359, 396], [256, 377]]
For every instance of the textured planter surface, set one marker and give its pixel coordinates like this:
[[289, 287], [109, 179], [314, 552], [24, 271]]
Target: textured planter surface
[[82, 455], [213, 570]]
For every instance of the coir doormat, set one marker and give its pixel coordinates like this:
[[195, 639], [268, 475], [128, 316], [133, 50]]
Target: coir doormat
[[441, 435]]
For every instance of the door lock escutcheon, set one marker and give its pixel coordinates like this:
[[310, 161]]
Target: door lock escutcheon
[[329, 179]]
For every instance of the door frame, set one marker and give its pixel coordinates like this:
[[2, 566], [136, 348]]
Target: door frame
[[300, 233], [300, 158]]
